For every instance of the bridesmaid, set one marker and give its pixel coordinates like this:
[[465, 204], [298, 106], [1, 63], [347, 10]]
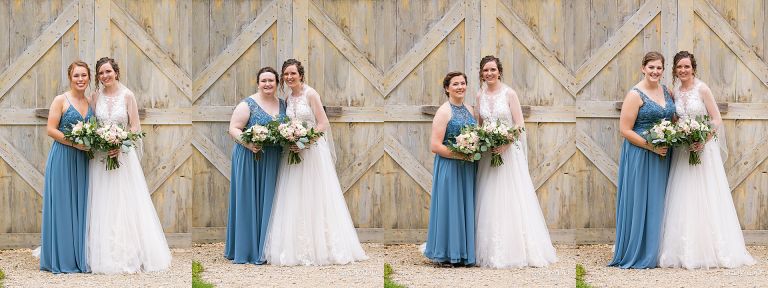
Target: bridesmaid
[[643, 170], [451, 234], [252, 185], [65, 197]]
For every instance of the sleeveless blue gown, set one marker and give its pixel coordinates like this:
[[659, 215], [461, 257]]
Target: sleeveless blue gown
[[451, 233], [65, 203], [642, 187], [251, 191]]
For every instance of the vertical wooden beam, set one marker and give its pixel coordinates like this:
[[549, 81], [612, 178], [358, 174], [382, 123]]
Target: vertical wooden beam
[[102, 28], [488, 27], [284, 30], [472, 44], [669, 35], [85, 20], [300, 41], [684, 25]]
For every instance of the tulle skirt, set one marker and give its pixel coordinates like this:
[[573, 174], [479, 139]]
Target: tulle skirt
[[701, 228], [310, 222], [124, 232], [511, 231]]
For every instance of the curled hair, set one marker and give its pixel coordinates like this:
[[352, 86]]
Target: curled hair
[[653, 56], [267, 70], [105, 60], [77, 63], [490, 58], [289, 63], [680, 56], [448, 77]]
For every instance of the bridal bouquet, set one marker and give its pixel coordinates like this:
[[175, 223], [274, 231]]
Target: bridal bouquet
[[695, 130], [112, 136], [468, 144], [83, 133], [296, 133], [258, 135], [495, 134], [663, 134]]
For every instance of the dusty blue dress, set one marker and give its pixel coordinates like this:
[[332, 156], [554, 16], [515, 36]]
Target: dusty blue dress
[[251, 191], [451, 233], [65, 203], [642, 186]]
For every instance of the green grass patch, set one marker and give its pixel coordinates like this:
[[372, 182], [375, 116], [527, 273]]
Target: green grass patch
[[580, 272], [388, 283], [2, 277], [197, 280]]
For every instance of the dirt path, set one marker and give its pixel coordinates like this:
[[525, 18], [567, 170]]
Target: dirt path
[[595, 257], [23, 270]]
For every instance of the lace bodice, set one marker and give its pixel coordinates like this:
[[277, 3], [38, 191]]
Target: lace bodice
[[112, 109], [460, 117], [689, 103], [299, 109], [650, 112], [71, 116], [258, 115], [494, 107]]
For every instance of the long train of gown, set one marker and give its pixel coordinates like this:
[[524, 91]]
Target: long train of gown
[[701, 228], [310, 222], [511, 231]]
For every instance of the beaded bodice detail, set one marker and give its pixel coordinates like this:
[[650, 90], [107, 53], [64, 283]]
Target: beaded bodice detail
[[258, 115], [689, 103], [299, 109], [460, 117], [112, 109], [651, 112], [493, 107], [72, 116]]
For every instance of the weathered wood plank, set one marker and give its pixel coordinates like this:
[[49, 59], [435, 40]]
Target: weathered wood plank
[[32, 240], [354, 171], [26, 170], [731, 38], [749, 160], [38, 48], [212, 153], [598, 156], [685, 16], [234, 50], [472, 43], [86, 19], [488, 32], [300, 30], [669, 34], [400, 154], [169, 164], [545, 55], [149, 47], [284, 27], [555, 159]]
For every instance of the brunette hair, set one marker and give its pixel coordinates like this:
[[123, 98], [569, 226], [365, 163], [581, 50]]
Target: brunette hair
[[653, 56], [448, 77], [680, 56], [105, 60], [265, 70], [491, 58]]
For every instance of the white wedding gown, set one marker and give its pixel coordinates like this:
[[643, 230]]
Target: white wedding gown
[[310, 222], [701, 228], [510, 230], [124, 232]]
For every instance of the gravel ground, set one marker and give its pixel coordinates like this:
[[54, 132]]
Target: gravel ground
[[23, 270], [412, 269], [596, 257], [222, 273]]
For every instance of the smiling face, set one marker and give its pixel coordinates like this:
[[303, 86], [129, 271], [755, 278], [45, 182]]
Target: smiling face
[[107, 75], [653, 70], [292, 77], [684, 69], [78, 80], [491, 72], [457, 87], [267, 83]]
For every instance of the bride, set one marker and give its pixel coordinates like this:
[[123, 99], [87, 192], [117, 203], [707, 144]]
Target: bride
[[124, 233], [511, 231], [701, 228], [310, 222]]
